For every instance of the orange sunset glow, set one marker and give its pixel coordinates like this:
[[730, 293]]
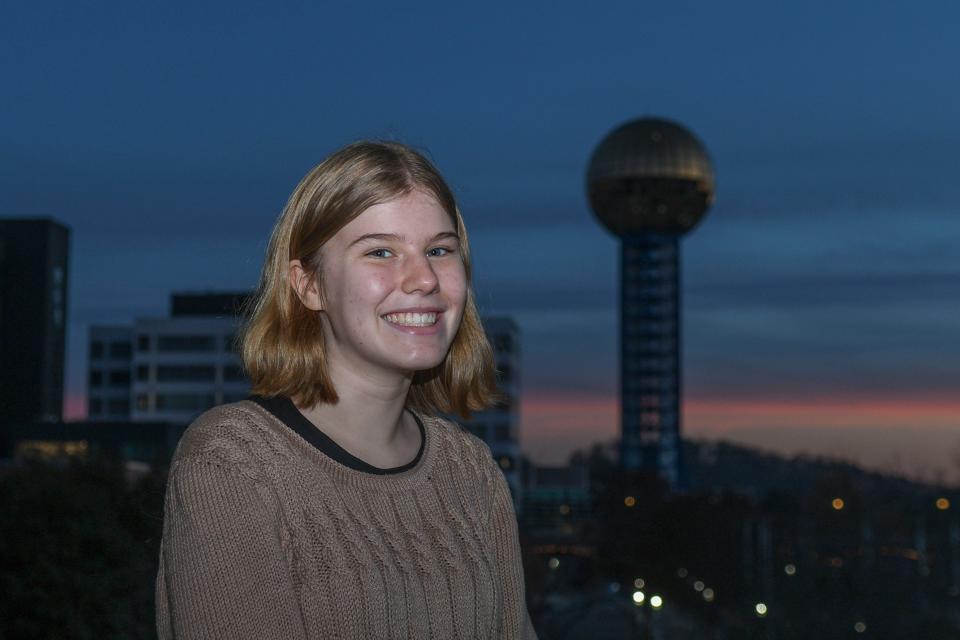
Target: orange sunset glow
[[912, 435]]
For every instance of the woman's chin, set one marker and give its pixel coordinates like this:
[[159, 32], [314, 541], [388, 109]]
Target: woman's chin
[[423, 364]]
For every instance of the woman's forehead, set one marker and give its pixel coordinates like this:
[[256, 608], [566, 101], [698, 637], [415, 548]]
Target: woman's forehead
[[410, 217]]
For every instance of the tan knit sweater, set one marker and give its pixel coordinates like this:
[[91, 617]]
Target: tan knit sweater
[[265, 536]]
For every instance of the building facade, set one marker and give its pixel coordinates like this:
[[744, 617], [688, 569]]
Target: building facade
[[184, 365], [34, 256], [108, 374], [168, 369], [499, 427]]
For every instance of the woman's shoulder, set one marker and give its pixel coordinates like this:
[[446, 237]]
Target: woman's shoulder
[[236, 434], [459, 445]]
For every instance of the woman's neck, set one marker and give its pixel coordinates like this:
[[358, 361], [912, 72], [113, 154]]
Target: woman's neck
[[368, 420]]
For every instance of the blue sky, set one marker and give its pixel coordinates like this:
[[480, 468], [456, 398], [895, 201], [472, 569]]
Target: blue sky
[[168, 137]]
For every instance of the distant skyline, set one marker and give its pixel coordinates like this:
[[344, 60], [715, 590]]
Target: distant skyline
[[822, 291]]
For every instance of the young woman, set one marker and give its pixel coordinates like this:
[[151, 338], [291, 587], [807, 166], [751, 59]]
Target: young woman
[[336, 503]]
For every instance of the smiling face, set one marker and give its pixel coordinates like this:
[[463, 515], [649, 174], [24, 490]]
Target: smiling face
[[394, 288]]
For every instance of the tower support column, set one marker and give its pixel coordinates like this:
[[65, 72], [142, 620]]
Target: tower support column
[[650, 376]]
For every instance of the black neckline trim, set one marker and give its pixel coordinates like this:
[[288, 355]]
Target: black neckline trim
[[286, 412]]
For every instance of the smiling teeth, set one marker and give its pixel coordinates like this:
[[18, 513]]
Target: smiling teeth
[[412, 319]]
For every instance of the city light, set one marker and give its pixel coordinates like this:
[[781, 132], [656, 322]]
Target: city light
[[553, 563], [859, 627], [639, 583], [698, 585], [790, 569], [708, 594], [681, 572], [564, 509], [629, 501], [943, 504], [638, 597], [761, 609], [837, 503], [656, 602]]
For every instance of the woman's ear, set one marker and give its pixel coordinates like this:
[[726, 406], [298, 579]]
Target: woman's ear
[[304, 284]]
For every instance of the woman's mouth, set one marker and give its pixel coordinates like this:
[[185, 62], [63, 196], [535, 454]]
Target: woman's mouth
[[412, 319]]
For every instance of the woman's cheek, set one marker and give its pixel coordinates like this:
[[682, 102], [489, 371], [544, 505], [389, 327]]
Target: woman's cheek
[[376, 283], [455, 279]]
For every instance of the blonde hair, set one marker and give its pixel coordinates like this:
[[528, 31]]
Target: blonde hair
[[282, 341]]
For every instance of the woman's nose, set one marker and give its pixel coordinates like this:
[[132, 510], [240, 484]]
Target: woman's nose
[[419, 276]]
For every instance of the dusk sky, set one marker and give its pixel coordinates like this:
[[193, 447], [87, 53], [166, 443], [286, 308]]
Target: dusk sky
[[821, 292]]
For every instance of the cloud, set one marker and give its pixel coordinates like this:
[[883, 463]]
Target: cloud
[[827, 291], [821, 179]]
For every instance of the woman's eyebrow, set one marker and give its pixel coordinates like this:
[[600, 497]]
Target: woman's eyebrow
[[396, 238], [445, 234], [376, 236]]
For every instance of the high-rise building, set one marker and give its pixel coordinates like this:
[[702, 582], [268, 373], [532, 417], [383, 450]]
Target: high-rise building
[[650, 181], [34, 256], [499, 427]]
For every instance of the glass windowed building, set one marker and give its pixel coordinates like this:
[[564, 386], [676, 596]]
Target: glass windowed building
[[499, 427], [34, 254]]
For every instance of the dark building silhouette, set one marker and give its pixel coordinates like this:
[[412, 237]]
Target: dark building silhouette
[[499, 426], [33, 315], [650, 181], [228, 304], [146, 443]]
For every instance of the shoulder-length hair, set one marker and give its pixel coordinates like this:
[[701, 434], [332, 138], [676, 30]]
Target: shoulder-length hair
[[282, 341]]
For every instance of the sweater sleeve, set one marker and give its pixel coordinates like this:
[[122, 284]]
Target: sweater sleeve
[[223, 573], [515, 623]]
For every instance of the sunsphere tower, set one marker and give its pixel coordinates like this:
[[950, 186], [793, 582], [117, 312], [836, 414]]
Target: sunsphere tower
[[650, 181]]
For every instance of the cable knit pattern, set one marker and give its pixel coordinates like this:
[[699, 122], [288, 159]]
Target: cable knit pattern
[[265, 536]]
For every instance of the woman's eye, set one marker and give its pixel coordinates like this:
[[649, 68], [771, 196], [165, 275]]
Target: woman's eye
[[380, 253], [439, 251]]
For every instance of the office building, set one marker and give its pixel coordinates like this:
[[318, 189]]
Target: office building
[[34, 256], [108, 377], [170, 369], [499, 427]]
